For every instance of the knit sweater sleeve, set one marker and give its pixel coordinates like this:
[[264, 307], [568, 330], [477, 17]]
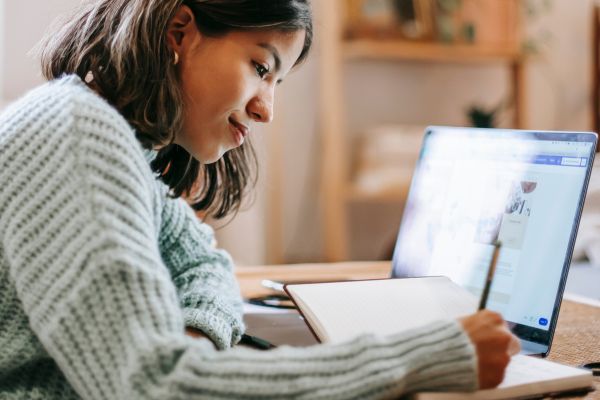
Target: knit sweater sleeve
[[80, 239], [203, 275]]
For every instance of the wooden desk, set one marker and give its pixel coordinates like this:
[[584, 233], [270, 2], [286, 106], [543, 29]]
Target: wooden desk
[[576, 340], [250, 277]]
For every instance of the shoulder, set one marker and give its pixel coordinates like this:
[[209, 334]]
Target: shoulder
[[63, 132], [63, 119], [61, 110], [63, 143]]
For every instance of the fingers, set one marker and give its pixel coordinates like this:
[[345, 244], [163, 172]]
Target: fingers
[[494, 345], [514, 346], [492, 371]]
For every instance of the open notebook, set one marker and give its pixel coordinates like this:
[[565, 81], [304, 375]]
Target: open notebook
[[339, 311]]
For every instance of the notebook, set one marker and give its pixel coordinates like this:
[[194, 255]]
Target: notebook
[[472, 187], [339, 311], [527, 377]]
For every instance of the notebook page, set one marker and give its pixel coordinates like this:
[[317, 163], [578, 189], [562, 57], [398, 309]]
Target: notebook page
[[525, 376], [524, 369], [343, 310]]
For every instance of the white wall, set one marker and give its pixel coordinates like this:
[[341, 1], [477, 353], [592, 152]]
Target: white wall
[[2, 56], [560, 81], [25, 22]]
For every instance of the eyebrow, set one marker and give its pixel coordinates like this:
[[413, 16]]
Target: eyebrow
[[274, 53]]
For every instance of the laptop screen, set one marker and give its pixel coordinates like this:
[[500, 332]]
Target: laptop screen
[[472, 187]]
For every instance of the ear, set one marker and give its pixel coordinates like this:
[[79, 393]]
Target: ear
[[182, 30]]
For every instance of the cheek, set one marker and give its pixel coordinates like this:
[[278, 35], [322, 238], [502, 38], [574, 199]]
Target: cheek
[[231, 92], [222, 99], [228, 87], [212, 92]]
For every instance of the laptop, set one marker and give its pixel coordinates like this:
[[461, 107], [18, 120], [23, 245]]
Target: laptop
[[526, 189]]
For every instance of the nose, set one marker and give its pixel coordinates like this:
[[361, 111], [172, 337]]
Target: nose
[[260, 107]]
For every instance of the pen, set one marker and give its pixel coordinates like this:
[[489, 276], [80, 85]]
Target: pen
[[256, 342], [272, 300], [490, 275]]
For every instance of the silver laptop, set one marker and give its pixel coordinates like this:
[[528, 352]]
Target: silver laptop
[[526, 189]]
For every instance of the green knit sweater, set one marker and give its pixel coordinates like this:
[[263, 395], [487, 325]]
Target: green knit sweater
[[100, 272]]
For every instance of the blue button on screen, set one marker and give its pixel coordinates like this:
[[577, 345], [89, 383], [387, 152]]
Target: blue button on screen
[[543, 321]]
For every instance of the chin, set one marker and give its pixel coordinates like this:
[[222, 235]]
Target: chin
[[210, 158], [210, 161], [204, 156]]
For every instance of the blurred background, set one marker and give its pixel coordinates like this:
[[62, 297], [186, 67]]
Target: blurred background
[[336, 161]]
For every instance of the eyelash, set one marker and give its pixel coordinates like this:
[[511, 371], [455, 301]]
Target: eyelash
[[261, 70]]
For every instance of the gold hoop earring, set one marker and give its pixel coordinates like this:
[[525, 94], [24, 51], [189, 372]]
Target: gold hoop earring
[[176, 58]]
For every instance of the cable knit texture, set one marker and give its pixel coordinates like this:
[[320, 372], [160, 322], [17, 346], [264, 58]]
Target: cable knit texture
[[100, 272]]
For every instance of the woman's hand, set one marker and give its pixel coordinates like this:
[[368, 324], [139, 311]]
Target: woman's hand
[[494, 345]]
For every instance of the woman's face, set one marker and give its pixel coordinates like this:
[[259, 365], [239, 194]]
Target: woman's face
[[228, 83]]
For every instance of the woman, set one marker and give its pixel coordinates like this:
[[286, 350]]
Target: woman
[[103, 268]]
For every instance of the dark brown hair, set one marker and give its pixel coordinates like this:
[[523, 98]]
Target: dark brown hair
[[122, 44]]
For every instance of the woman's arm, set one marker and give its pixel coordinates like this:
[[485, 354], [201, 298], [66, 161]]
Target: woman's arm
[[82, 252], [206, 286]]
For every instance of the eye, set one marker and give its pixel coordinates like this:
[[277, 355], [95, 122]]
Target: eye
[[261, 70]]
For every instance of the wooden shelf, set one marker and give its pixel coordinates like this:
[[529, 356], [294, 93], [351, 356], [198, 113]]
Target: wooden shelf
[[390, 49], [499, 28]]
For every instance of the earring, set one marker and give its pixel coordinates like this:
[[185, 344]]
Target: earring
[[176, 58]]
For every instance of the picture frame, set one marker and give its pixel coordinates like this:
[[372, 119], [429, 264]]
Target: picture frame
[[407, 19]]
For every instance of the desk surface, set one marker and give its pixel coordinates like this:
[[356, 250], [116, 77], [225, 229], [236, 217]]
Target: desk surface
[[250, 277], [576, 339]]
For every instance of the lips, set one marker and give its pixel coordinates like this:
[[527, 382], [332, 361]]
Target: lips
[[241, 128]]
